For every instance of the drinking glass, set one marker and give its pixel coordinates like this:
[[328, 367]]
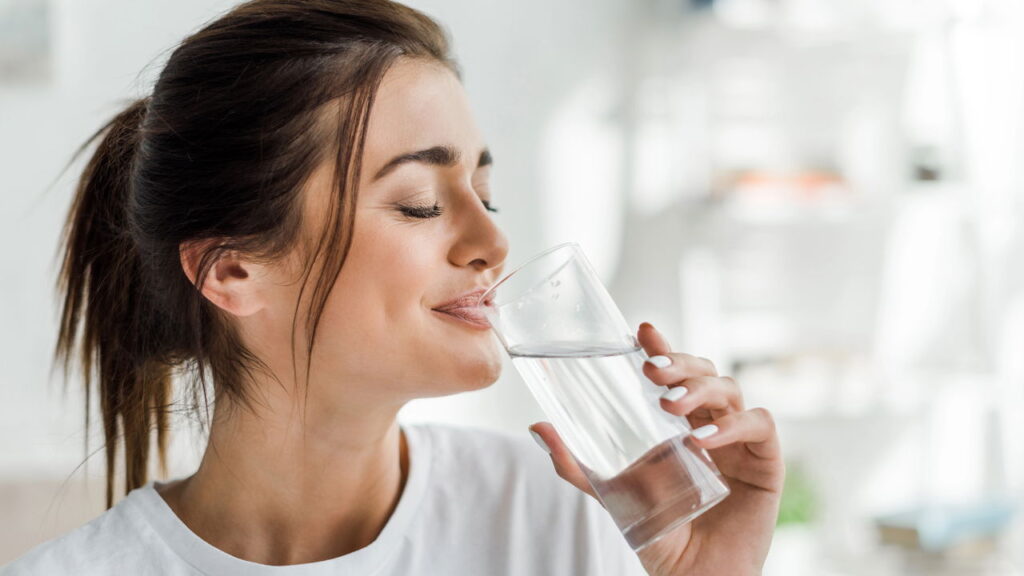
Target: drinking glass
[[582, 363]]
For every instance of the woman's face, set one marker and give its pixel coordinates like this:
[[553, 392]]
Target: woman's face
[[379, 339]]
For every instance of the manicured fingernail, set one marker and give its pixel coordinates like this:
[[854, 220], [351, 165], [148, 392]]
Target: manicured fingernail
[[705, 431], [660, 361], [540, 442], [674, 393]]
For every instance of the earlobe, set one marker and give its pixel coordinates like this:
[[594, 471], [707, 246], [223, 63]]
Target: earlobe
[[229, 285]]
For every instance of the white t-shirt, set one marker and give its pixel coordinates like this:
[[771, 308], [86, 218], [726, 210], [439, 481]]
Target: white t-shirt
[[476, 502]]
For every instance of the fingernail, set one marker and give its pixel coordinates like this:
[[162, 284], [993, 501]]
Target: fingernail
[[674, 393], [540, 442], [705, 431], [660, 361]]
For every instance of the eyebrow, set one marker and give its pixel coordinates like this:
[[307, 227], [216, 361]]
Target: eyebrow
[[435, 156]]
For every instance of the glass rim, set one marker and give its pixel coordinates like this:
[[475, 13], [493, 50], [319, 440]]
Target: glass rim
[[490, 291]]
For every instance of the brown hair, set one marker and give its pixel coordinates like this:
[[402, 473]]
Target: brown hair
[[239, 117]]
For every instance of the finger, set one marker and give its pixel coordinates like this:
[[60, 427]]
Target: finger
[[565, 465], [683, 365], [754, 427], [651, 340], [721, 395], [680, 367]]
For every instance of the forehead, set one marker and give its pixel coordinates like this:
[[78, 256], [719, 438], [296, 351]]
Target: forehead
[[419, 104]]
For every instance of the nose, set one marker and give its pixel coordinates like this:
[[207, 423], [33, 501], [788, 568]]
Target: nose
[[480, 243]]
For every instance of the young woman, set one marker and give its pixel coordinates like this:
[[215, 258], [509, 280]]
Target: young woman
[[283, 223]]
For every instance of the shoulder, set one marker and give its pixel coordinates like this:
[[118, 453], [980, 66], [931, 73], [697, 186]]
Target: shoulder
[[111, 543]]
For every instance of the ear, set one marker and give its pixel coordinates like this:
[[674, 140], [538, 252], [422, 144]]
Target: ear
[[232, 283]]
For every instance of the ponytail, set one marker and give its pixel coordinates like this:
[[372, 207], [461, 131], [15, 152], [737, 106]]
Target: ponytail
[[107, 320]]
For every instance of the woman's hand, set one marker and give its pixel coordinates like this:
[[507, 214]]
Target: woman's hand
[[732, 538]]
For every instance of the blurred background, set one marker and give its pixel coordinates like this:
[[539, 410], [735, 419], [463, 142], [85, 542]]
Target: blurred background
[[822, 196]]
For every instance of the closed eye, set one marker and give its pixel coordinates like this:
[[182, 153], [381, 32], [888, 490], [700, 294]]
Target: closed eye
[[422, 212], [425, 212]]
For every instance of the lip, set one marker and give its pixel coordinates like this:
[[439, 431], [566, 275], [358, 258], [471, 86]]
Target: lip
[[468, 300], [467, 309], [469, 317]]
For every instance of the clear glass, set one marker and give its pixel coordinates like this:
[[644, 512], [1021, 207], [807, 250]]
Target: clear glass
[[582, 362]]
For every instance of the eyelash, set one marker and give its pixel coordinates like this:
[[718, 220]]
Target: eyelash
[[425, 212]]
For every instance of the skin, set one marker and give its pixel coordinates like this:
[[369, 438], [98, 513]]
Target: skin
[[261, 488], [311, 474]]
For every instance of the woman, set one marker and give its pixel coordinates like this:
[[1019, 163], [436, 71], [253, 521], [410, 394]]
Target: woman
[[281, 224]]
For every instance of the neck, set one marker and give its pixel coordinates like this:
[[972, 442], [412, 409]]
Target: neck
[[290, 489]]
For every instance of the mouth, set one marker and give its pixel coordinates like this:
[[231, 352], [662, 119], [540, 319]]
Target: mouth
[[467, 310], [468, 317]]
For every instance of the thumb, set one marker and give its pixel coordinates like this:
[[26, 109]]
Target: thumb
[[565, 465]]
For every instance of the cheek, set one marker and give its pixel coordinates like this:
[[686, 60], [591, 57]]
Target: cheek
[[378, 327], [404, 348], [377, 306]]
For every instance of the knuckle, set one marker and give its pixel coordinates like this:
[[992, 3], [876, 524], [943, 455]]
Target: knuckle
[[732, 386], [765, 415], [690, 364], [698, 383], [688, 360]]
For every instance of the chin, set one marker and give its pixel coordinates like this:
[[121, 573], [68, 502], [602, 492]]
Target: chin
[[478, 366], [468, 378], [479, 375], [468, 367]]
